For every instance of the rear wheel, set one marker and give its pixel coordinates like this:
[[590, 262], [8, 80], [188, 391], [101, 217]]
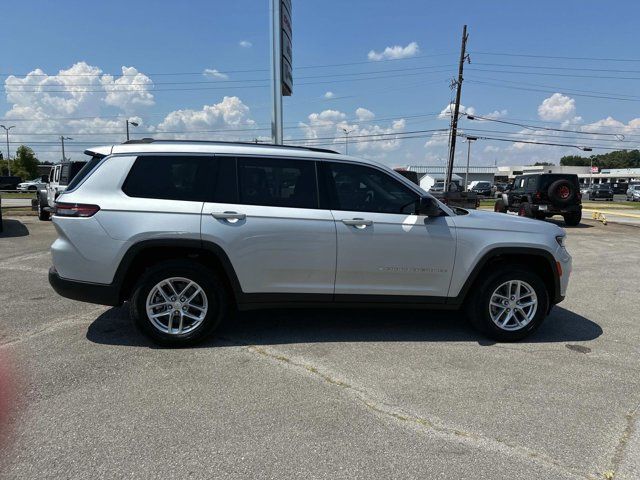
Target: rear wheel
[[572, 219], [509, 305], [42, 213], [525, 210], [178, 303]]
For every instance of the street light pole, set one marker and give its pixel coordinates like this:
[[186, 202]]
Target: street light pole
[[135, 124], [6, 129], [346, 140], [62, 139], [466, 175]]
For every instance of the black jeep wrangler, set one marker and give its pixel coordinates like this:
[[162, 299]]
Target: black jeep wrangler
[[544, 195]]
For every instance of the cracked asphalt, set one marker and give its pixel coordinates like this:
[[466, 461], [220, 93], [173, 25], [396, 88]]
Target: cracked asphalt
[[325, 394]]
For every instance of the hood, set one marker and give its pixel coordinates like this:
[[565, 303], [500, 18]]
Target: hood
[[500, 221]]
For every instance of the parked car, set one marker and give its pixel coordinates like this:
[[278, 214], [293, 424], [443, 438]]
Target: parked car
[[186, 231], [633, 193], [601, 191], [60, 176], [33, 185], [483, 188], [9, 182], [543, 195]]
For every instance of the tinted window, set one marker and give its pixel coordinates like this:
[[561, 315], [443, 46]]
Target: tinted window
[[64, 174], [364, 189], [277, 182], [84, 171], [168, 177], [532, 183]]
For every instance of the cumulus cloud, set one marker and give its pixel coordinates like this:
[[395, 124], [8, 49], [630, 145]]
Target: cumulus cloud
[[92, 107], [332, 123], [448, 111], [557, 107], [329, 95], [362, 114], [245, 44], [213, 73], [230, 112], [395, 52]]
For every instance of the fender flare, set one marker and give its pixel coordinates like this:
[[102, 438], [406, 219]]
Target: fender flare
[[554, 291]]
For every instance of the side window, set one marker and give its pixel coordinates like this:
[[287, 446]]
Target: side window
[[531, 182], [57, 174], [168, 177], [364, 189], [64, 174], [518, 184], [277, 182]]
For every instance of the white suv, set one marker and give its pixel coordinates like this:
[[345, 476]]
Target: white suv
[[186, 231]]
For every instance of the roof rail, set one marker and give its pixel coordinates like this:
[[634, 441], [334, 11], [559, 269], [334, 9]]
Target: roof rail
[[221, 142]]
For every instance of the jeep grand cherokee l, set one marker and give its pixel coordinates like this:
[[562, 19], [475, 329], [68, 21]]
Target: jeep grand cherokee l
[[186, 231]]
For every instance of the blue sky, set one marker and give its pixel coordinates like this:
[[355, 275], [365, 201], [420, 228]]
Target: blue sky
[[167, 46]]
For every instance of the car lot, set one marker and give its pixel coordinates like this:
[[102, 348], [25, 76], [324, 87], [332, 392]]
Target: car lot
[[336, 394]]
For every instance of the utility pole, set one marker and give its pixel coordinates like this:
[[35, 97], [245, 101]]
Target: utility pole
[[62, 139], [454, 121], [466, 175], [6, 130], [346, 140]]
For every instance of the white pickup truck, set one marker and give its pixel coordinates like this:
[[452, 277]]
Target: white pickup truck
[[60, 176]]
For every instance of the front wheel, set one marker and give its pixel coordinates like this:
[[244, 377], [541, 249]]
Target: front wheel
[[500, 206], [178, 303], [509, 305], [572, 219], [42, 213]]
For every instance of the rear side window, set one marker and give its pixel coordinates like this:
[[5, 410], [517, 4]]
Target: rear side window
[[277, 182], [84, 171], [168, 177]]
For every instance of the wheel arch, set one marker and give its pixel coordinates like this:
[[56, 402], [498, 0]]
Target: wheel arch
[[143, 255], [529, 257]]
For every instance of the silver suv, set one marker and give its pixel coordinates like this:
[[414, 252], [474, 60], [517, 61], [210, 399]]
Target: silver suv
[[186, 231]]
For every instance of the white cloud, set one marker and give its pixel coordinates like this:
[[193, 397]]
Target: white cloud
[[557, 107], [129, 91], [395, 52], [230, 112], [331, 124], [329, 95], [495, 114], [245, 44], [447, 111], [213, 73], [362, 114]]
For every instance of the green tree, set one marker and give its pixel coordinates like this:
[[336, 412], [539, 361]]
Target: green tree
[[25, 163], [543, 164], [616, 159]]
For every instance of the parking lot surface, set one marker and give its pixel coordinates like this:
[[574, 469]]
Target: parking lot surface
[[325, 394]]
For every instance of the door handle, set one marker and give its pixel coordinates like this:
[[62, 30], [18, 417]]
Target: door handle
[[357, 222], [228, 215]]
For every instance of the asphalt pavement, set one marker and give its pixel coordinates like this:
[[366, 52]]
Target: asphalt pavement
[[325, 394]]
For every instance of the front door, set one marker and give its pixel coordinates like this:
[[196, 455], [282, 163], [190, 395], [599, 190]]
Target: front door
[[264, 213], [385, 249]]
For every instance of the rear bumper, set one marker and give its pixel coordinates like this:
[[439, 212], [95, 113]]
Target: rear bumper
[[556, 210], [102, 294]]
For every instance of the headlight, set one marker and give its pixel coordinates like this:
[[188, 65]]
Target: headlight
[[560, 239]]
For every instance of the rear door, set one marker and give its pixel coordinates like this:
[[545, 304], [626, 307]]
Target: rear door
[[265, 213], [384, 249]]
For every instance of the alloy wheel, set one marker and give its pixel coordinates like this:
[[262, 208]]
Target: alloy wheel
[[176, 306], [513, 305]]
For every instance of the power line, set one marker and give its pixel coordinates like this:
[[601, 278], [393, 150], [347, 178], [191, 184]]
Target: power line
[[556, 57], [549, 74]]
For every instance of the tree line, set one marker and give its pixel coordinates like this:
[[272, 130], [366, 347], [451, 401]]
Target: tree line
[[617, 159], [24, 164]]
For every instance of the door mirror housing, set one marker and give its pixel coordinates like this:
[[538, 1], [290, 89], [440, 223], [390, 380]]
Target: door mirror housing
[[428, 206]]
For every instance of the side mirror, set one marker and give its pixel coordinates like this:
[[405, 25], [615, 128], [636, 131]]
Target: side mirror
[[428, 206]]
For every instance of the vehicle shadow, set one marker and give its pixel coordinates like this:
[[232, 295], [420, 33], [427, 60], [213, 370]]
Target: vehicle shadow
[[278, 327], [13, 228], [561, 224]]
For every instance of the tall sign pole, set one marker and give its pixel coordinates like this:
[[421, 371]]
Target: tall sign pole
[[281, 60], [456, 111]]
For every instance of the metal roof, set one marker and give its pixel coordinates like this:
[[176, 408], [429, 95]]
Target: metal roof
[[441, 169]]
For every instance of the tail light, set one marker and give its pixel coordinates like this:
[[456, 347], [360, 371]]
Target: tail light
[[75, 210]]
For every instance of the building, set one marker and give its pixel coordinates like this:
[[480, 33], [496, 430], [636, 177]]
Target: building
[[476, 174]]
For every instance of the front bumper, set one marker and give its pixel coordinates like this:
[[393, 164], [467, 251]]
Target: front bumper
[[101, 294]]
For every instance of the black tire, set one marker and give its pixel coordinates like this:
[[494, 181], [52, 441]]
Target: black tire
[[42, 213], [216, 293], [540, 215], [525, 210], [572, 219], [562, 192], [500, 207], [478, 311]]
